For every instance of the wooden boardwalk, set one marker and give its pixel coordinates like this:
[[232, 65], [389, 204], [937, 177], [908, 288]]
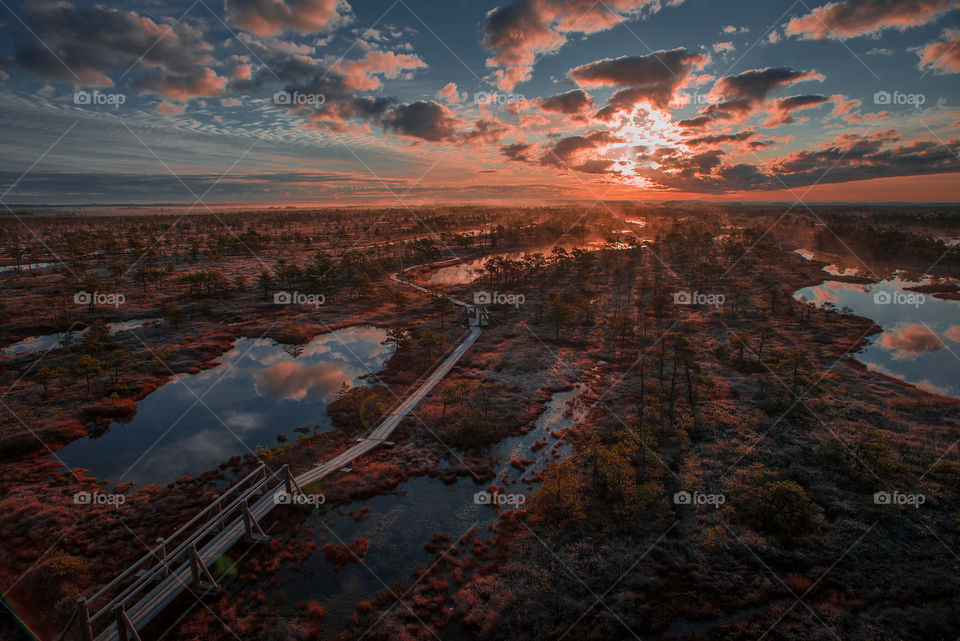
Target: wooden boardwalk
[[180, 561]]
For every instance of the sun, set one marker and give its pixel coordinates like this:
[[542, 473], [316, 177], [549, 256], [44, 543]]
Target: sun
[[641, 132]]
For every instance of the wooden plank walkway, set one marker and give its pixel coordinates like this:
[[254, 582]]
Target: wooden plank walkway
[[186, 567]]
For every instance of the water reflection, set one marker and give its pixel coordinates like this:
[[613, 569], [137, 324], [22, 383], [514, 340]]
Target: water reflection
[[401, 523], [25, 268], [257, 391], [55, 341], [920, 342], [466, 271]]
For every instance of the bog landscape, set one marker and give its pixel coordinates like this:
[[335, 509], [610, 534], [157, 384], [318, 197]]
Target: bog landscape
[[538, 319]]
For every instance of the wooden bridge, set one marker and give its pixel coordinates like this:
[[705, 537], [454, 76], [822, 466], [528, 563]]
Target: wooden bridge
[[180, 562]]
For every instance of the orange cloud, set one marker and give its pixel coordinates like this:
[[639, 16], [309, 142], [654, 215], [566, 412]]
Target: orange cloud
[[272, 17], [852, 18], [358, 74], [943, 57], [169, 109], [911, 340]]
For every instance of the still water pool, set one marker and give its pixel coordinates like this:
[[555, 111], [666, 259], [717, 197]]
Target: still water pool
[[259, 389]]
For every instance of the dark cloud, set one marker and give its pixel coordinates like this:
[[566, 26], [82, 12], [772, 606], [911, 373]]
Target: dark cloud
[[697, 122], [653, 78], [162, 187], [859, 158], [571, 102], [485, 131], [848, 158], [756, 84], [196, 83], [272, 17], [784, 109], [720, 138], [518, 33], [426, 120], [573, 152], [852, 18], [563, 151], [95, 42], [518, 151], [739, 97]]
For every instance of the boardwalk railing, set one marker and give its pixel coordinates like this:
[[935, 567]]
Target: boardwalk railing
[[180, 561]]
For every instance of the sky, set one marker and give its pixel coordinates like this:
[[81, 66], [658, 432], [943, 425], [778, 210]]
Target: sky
[[456, 101]]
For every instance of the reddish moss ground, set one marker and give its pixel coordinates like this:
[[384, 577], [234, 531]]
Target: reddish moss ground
[[710, 565]]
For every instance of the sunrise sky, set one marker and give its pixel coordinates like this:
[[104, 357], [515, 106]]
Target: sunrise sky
[[529, 101]]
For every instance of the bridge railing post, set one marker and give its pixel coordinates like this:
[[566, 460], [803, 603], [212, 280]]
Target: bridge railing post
[[216, 499], [195, 564], [162, 555], [125, 629], [83, 617], [288, 479], [202, 578]]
